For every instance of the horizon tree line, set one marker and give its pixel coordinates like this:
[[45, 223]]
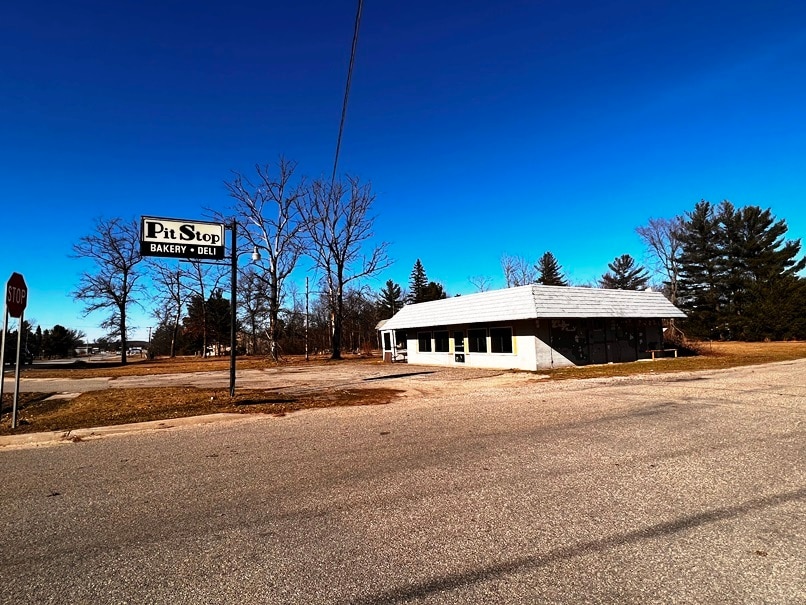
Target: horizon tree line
[[729, 268]]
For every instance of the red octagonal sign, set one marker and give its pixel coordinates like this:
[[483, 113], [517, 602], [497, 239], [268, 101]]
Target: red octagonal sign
[[16, 295]]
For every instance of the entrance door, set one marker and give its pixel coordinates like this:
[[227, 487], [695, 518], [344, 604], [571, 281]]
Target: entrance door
[[459, 346]]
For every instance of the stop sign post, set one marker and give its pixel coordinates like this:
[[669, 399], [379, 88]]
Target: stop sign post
[[16, 301]]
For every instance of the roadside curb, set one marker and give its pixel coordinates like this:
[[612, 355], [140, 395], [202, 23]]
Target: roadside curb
[[50, 438]]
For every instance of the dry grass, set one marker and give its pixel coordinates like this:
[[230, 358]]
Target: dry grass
[[37, 412], [713, 356], [119, 406], [138, 366]]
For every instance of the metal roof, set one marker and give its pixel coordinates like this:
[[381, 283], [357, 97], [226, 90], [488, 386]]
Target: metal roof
[[532, 302]]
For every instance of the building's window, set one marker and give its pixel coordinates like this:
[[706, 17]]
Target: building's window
[[501, 340], [477, 340], [459, 342], [387, 341], [424, 342], [441, 342]]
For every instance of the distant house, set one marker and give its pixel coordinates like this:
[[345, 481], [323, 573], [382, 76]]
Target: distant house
[[529, 328]]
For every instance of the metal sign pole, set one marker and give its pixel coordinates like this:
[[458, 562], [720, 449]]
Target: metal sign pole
[[306, 318], [17, 374], [3, 355], [233, 314]]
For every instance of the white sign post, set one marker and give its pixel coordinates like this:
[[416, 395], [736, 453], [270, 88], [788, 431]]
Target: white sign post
[[3, 355]]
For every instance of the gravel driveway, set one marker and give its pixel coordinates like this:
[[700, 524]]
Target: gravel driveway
[[352, 375]]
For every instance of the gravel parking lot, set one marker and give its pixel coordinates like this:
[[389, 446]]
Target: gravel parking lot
[[474, 487]]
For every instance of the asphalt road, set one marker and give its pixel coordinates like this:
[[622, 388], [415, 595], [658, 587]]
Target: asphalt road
[[683, 488]]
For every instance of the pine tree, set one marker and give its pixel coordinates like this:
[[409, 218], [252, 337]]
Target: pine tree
[[624, 275], [550, 271], [738, 276], [390, 299], [761, 287], [418, 282], [775, 310], [433, 291], [701, 270]]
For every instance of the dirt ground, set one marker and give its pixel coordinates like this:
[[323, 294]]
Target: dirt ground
[[87, 394]]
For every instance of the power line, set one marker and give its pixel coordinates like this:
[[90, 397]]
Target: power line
[[347, 88]]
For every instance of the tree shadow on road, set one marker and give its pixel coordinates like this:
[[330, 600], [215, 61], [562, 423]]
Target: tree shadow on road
[[449, 582]]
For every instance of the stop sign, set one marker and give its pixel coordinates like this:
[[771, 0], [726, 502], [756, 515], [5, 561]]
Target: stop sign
[[16, 295]]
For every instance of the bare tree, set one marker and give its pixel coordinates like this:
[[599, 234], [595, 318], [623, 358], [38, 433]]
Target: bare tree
[[114, 247], [338, 228], [482, 283], [518, 271], [252, 294], [267, 212], [661, 237]]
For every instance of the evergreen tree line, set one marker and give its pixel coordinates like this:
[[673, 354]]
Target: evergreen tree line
[[730, 269], [56, 342], [736, 276]]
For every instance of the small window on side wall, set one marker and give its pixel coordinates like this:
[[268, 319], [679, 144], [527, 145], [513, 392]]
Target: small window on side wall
[[477, 340], [501, 340], [424, 342]]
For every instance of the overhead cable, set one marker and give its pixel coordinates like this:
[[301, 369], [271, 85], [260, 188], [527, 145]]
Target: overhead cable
[[347, 88]]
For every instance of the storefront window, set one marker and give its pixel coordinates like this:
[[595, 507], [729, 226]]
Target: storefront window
[[441, 342], [501, 340], [477, 340]]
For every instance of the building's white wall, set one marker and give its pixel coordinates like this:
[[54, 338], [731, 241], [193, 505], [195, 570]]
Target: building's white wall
[[531, 348], [427, 359], [547, 358], [522, 357]]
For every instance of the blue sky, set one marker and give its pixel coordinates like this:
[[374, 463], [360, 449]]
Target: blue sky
[[486, 128]]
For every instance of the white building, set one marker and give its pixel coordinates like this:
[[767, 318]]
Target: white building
[[529, 327]]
